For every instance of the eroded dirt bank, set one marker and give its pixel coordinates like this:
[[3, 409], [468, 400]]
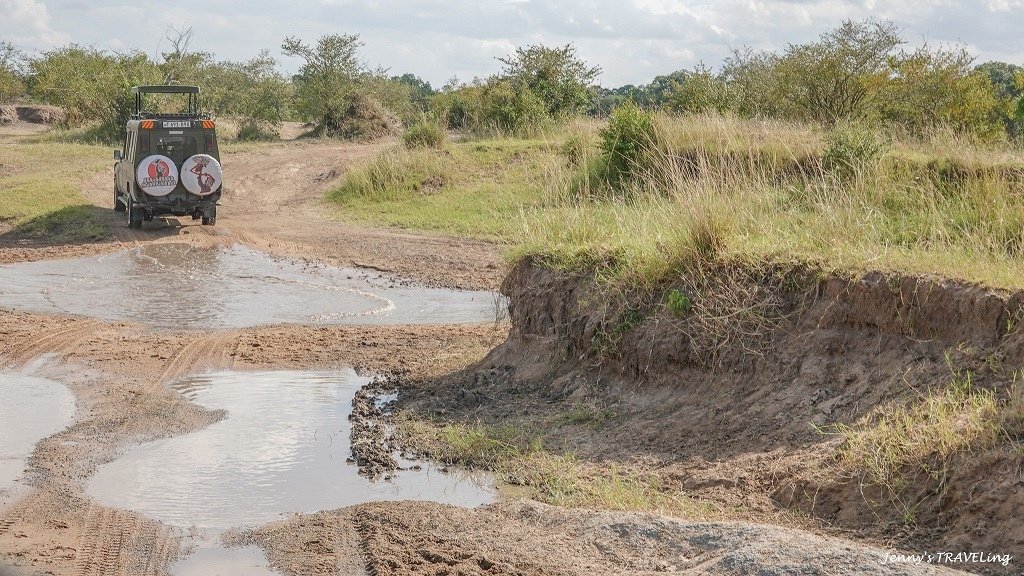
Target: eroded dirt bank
[[730, 445], [735, 409]]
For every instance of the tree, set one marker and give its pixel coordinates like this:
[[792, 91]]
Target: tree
[[1004, 77], [835, 78], [756, 87], [556, 76], [11, 69], [700, 91], [938, 87], [420, 90], [330, 74], [91, 84]]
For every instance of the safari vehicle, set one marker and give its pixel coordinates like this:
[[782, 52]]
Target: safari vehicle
[[170, 163]]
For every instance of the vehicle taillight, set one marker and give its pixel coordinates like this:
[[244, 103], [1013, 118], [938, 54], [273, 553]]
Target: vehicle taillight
[[208, 124], [209, 143], [146, 125], [144, 143]]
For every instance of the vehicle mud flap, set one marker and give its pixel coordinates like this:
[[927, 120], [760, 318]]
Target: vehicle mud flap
[[136, 214], [118, 203], [210, 215]]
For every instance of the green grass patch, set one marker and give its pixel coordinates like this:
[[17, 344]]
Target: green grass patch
[[474, 188], [39, 190]]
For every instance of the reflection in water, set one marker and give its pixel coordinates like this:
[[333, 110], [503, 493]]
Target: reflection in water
[[178, 285], [213, 560], [281, 448], [30, 409]]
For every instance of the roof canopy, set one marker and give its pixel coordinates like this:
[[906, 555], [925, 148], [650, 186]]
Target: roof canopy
[[165, 89]]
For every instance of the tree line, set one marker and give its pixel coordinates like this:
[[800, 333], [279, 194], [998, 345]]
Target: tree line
[[862, 71]]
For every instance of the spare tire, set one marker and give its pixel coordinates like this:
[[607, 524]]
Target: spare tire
[[157, 175], [201, 174]]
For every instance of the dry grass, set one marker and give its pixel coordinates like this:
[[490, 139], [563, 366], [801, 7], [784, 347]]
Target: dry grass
[[757, 190], [935, 425], [517, 457]]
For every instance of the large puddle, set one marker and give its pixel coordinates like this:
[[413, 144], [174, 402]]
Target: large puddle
[[209, 559], [30, 409], [281, 449], [178, 285]]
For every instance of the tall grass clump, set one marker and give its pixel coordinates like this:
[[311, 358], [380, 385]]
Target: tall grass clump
[[424, 134], [395, 174], [848, 197]]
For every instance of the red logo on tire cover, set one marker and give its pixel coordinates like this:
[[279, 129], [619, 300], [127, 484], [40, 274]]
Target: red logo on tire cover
[[158, 169]]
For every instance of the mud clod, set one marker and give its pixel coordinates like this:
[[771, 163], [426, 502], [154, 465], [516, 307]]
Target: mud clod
[[372, 447]]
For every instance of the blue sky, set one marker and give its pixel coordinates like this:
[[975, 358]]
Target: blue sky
[[632, 40]]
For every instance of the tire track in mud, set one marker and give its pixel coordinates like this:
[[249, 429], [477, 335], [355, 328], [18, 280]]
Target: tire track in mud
[[208, 351], [61, 340]]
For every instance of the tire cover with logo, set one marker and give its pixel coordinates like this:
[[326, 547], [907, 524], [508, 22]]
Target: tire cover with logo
[[157, 175], [201, 174]]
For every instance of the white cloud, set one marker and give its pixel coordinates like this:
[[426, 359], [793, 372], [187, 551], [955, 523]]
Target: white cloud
[[27, 23], [632, 40]]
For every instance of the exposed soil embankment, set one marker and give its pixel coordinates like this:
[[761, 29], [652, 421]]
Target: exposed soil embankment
[[33, 114], [734, 379]]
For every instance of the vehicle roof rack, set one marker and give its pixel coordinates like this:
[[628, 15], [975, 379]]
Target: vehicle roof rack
[[165, 89], [193, 100]]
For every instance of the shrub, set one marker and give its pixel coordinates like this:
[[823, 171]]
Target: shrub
[[851, 149], [510, 110], [255, 132], [628, 142], [424, 134]]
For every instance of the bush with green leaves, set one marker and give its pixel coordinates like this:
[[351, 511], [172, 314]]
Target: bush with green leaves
[[255, 132], [11, 84], [559, 79], [700, 91], [628, 143], [92, 85], [852, 149]]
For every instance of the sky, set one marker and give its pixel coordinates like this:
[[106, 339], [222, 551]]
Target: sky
[[631, 40]]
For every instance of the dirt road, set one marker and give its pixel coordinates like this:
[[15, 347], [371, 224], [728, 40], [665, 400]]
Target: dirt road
[[118, 373]]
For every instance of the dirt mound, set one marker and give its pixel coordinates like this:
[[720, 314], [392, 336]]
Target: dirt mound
[[40, 114], [736, 405], [365, 119], [521, 538]]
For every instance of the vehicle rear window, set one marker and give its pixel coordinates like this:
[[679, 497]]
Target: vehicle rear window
[[176, 147]]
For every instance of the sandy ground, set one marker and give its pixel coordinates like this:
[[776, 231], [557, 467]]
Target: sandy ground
[[118, 374]]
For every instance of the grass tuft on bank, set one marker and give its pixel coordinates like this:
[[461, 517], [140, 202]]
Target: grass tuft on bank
[[517, 457], [917, 434]]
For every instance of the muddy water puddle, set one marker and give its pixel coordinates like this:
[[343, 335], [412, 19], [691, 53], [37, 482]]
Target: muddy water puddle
[[184, 286], [281, 448], [30, 409], [209, 559]]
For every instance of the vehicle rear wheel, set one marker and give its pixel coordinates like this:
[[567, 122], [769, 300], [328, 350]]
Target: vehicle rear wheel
[[210, 217], [118, 204]]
